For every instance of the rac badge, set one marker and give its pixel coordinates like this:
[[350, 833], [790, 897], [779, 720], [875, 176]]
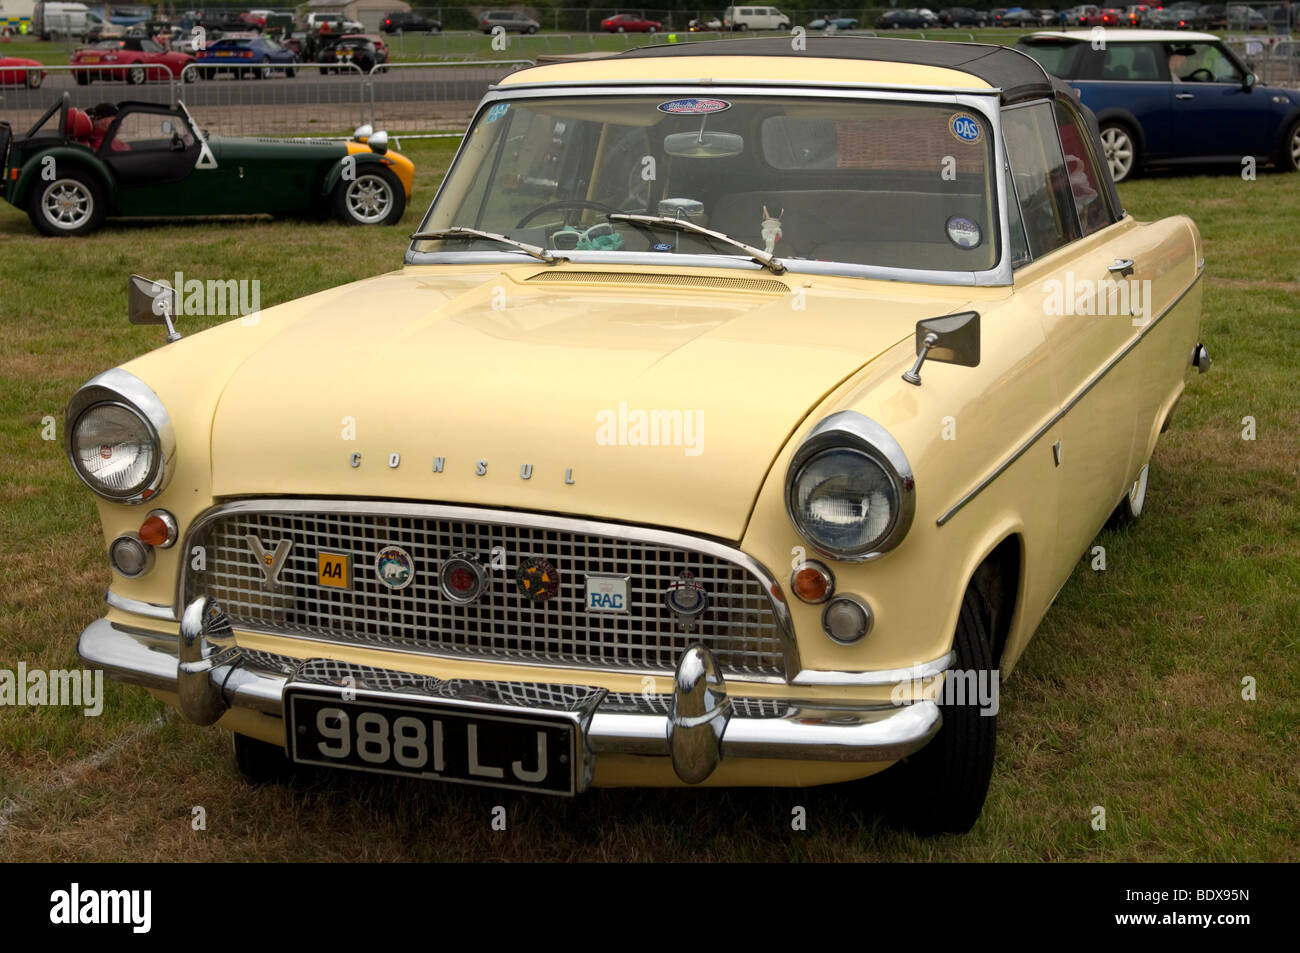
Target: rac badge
[[394, 567], [537, 579]]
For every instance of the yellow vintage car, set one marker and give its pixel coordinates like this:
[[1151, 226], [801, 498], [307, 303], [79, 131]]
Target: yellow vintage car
[[725, 431]]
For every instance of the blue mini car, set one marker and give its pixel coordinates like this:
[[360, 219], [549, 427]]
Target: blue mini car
[[253, 55], [1169, 97]]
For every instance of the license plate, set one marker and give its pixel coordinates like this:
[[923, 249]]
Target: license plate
[[444, 743], [225, 53], [90, 59]]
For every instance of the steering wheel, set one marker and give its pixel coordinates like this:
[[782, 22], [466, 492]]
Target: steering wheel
[[1201, 75], [563, 203]]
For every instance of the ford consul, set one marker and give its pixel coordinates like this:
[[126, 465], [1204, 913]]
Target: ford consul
[[735, 431]]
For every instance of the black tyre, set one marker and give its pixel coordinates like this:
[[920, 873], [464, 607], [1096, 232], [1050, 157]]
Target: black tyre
[[941, 788], [73, 204], [260, 762], [1119, 144], [136, 76], [189, 75], [1289, 156], [532, 29], [34, 78], [373, 197]]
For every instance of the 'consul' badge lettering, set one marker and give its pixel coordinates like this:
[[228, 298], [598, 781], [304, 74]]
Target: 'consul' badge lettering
[[537, 579], [394, 567]]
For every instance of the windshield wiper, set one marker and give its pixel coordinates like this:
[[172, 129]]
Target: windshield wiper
[[685, 225], [460, 231]]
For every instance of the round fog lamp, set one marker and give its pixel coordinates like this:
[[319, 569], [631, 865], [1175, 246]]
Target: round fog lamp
[[462, 579], [846, 619], [129, 556]]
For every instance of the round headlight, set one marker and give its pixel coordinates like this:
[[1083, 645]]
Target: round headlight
[[120, 440], [849, 488], [114, 450]]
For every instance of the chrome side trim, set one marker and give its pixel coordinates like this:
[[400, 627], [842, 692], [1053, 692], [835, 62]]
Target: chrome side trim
[[880, 676], [1065, 409], [147, 609], [644, 534]]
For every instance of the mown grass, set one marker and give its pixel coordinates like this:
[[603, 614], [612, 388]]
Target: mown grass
[[1129, 698]]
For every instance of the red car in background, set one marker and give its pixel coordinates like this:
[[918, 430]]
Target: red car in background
[[1108, 17], [630, 23], [141, 60], [14, 72]]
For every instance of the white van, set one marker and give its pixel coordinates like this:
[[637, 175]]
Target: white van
[[51, 19], [754, 18]]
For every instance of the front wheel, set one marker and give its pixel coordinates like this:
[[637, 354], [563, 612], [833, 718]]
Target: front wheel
[[532, 29], [34, 79], [941, 788], [135, 76], [1290, 157], [1120, 146], [374, 197], [189, 75], [73, 204]]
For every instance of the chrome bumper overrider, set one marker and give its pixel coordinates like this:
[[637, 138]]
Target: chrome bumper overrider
[[697, 726]]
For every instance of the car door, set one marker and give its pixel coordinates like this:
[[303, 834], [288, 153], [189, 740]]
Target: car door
[[1131, 80], [1214, 112], [151, 153], [1094, 436]]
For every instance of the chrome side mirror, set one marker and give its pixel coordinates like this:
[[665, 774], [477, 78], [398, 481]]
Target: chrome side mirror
[[152, 302], [1248, 82], [952, 339]]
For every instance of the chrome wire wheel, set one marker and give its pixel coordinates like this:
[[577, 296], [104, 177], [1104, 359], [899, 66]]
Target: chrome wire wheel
[[1118, 145], [369, 199], [67, 204]]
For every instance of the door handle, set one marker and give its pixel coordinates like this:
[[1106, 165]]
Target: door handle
[[1184, 95], [1123, 267]]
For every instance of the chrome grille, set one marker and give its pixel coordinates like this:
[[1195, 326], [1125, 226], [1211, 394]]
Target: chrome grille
[[739, 627]]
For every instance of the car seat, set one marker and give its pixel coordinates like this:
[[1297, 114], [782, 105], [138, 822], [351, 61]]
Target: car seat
[[79, 127]]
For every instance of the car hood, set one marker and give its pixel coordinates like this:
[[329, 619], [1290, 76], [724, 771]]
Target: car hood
[[556, 389]]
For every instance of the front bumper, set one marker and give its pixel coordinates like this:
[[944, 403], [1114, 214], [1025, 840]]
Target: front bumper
[[696, 727]]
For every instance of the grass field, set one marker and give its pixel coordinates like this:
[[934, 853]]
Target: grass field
[[1129, 698]]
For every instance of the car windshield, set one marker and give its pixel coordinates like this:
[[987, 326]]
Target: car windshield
[[877, 183]]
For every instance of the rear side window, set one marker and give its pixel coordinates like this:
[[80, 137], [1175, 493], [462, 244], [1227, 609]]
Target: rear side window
[[1081, 166], [1131, 61], [1038, 172], [1059, 59]]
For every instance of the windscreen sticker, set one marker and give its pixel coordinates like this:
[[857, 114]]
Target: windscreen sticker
[[963, 232], [694, 107], [496, 112], [965, 128]]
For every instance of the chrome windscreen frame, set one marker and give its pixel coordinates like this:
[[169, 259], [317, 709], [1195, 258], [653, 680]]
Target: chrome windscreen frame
[[434, 511], [984, 102]]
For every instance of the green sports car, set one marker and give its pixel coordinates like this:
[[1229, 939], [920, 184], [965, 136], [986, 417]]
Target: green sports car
[[73, 169]]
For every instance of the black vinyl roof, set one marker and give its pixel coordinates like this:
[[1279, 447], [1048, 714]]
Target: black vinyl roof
[[1017, 75]]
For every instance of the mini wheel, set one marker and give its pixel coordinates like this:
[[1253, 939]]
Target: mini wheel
[[373, 197], [1120, 146]]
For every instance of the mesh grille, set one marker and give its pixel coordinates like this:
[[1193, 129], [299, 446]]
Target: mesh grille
[[739, 626], [642, 278]]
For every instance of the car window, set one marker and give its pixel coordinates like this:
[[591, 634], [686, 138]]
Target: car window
[[1130, 61], [888, 184], [1201, 62], [149, 46], [1056, 58], [150, 131], [1081, 166], [1038, 172]]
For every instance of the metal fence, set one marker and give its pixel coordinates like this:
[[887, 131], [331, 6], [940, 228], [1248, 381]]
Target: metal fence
[[1275, 60]]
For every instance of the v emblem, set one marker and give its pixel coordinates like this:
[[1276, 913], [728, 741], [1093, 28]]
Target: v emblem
[[271, 563]]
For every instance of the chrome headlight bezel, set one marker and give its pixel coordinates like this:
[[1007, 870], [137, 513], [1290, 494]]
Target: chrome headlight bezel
[[850, 430], [124, 389]]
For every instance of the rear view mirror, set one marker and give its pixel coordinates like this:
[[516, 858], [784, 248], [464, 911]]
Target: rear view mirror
[[704, 145], [151, 302], [952, 339]]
